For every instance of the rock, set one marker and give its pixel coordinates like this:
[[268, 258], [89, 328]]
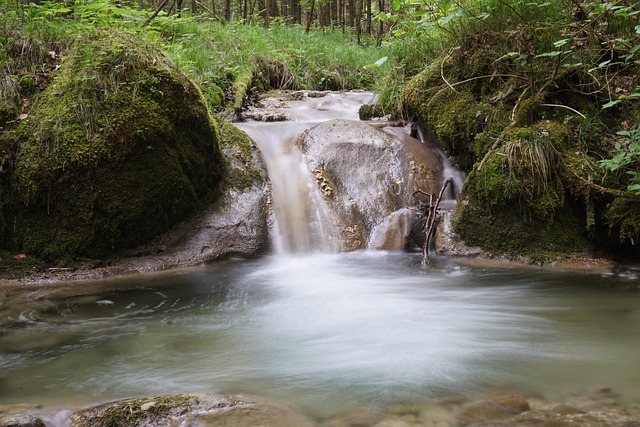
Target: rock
[[265, 116], [201, 409], [370, 111], [370, 175], [21, 421], [135, 152], [237, 225], [495, 409]]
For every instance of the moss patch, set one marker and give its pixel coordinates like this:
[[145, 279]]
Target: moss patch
[[513, 233], [136, 412], [242, 171], [118, 147]]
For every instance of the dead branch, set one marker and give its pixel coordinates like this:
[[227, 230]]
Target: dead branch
[[209, 11], [442, 73], [432, 220], [155, 13]]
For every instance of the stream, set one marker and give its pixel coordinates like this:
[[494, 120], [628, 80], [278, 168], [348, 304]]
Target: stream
[[322, 330]]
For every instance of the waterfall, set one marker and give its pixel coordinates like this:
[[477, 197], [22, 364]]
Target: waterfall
[[449, 171], [303, 221]]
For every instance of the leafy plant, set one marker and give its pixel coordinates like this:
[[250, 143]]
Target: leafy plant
[[626, 156]]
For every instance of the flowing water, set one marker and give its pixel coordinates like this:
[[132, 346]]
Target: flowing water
[[321, 331], [303, 222]]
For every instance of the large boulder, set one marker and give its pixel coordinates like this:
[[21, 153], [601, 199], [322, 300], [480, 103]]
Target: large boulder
[[117, 148], [369, 179]]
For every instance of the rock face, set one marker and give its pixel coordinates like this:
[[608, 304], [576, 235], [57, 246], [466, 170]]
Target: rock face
[[118, 148], [366, 176], [236, 225]]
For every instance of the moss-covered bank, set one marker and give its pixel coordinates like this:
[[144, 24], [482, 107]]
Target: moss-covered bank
[[528, 125], [117, 148]]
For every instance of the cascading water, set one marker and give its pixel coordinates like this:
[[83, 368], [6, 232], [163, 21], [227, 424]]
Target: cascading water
[[303, 221]]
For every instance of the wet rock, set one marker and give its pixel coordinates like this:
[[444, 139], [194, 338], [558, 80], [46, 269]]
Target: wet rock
[[21, 421], [265, 116], [490, 410], [317, 94], [370, 111], [201, 410], [372, 174]]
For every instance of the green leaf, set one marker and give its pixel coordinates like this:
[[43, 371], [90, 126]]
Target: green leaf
[[635, 188], [381, 61], [561, 42], [550, 54], [610, 104]]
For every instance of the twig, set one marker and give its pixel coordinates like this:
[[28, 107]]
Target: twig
[[515, 107], [199, 3], [432, 219], [442, 73], [568, 108]]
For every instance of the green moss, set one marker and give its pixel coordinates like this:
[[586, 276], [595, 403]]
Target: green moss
[[131, 413], [9, 111], [528, 111], [214, 96], [623, 217], [457, 117], [118, 147], [236, 145], [370, 111], [491, 185], [508, 232]]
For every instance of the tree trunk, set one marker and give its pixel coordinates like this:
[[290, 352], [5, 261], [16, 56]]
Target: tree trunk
[[155, 13], [226, 10], [368, 17], [310, 19], [358, 18], [381, 28]]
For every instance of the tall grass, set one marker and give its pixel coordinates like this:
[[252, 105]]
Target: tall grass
[[281, 57], [287, 56]]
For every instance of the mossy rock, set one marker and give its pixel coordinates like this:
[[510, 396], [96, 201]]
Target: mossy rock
[[243, 170], [370, 111], [509, 231], [456, 117], [214, 96], [118, 148]]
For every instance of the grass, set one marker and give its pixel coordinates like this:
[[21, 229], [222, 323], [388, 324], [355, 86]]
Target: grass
[[211, 53]]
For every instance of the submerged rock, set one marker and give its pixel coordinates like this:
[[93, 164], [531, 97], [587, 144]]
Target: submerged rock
[[490, 410], [366, 175]]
